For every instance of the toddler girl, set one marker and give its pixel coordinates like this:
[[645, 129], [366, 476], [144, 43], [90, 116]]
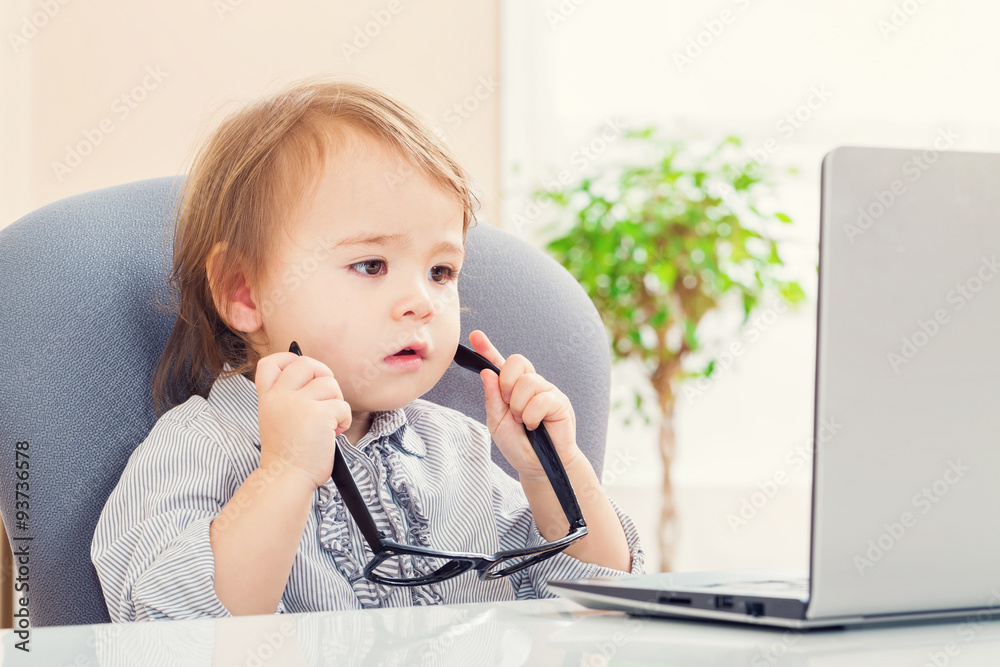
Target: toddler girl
[[330, 215]]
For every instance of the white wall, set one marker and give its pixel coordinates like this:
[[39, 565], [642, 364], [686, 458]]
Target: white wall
[[70, 74], [569, 66]]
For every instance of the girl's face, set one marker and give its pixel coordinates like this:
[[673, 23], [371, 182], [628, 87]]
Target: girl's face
[[369, 269]]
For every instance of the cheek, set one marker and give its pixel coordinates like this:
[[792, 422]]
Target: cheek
[[451, 319], [452, 333], [343, 339]]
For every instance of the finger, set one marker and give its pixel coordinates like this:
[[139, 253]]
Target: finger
[[514, 368], [269, 368], [340, 416], [323, 389], [481, 344], [495, 407], [300, 372], [545, 405], [527, 386]]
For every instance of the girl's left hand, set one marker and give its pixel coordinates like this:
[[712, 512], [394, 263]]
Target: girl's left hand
[[521, 397]]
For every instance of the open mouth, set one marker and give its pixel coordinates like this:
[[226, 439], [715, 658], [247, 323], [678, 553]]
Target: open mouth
[[408, 359], [414, 349]]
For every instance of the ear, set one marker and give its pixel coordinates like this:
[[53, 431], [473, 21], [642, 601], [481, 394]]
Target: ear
[[238, 308]]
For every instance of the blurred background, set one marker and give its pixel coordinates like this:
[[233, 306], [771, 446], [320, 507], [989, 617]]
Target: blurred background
[[527, 93]]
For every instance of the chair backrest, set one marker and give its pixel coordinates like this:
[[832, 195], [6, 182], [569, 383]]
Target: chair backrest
[[81, 333]]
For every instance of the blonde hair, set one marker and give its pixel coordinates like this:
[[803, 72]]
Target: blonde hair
[[254, 168]]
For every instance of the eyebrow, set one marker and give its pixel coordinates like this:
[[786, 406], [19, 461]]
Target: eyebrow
[[396, 239]]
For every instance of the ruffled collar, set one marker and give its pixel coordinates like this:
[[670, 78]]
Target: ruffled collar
[[391, 426], [400, 518]]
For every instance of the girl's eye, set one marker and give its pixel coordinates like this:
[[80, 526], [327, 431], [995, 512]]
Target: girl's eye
[[446, 272], [377, 267], [370, 267]]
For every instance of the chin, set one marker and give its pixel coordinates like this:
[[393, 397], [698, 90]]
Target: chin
[[392, 401], [393, 404], [398, 399]]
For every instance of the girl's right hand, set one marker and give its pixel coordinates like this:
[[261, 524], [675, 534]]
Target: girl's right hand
[[301, 411]]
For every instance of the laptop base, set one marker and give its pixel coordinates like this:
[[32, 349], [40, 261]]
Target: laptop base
[[767, 597]]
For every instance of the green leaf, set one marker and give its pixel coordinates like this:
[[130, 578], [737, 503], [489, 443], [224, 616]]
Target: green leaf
[[782, 217], [689, 335], [774, 258], [667, 273], [792, 293]]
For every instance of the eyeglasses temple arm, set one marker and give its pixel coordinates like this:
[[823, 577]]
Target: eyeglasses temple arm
[[540, 442], [556, 472], [348, 488], [345, 483]]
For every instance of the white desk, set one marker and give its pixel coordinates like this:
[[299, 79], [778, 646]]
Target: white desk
[[538, 632]]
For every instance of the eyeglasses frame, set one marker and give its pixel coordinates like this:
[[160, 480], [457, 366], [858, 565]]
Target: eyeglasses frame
[[459, 562]]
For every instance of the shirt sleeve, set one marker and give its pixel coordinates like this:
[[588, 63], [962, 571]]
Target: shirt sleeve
[[151, 547], [517, 529]]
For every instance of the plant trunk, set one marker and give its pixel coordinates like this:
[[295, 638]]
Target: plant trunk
[[662, 382], [668, 510]]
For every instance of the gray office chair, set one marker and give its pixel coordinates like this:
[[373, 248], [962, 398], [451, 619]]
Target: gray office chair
[[80, 335]]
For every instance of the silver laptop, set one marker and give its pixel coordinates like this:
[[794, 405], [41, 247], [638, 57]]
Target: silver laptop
[[906, 496]]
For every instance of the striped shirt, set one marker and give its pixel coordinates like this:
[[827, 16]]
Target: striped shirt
[[424, 472]]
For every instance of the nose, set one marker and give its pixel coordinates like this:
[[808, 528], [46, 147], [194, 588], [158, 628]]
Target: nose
[[415, 301]]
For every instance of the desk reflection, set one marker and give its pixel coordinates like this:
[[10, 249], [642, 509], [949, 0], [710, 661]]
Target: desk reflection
[[509, 634]]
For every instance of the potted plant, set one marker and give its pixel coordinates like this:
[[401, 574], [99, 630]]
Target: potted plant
[[660, 242]]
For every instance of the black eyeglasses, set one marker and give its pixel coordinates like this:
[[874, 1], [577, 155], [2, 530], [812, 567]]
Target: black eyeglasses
[[389, 567]]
